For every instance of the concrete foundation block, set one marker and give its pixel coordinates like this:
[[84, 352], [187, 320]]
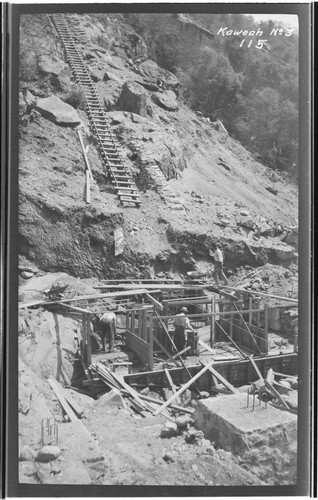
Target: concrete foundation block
[[229, 423]]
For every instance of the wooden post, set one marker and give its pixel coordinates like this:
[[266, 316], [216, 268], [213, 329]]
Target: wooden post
[[84, 338], [127, 320], [258, 317], [166, 312], [266, 328], [231, 325], [250, 314], [85, 155], [150, 341], [182, 389], [88, 333], [133, 321], [88, 187], [144, 332], [240, 302], [212, 331], [140, 324]]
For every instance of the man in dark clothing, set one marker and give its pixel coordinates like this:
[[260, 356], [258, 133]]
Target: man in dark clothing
[[181, 323], [105, 326]]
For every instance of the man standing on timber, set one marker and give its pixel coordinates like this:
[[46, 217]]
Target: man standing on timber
[[180, 323], [218, 273]]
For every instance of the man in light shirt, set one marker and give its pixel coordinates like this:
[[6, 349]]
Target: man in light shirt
[[181, 323], [218, 273]]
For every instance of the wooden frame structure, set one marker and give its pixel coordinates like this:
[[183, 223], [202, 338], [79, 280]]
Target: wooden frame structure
[[139, 333], [237, 372], [242, 320]]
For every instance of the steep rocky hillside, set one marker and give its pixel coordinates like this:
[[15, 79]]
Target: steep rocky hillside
[[197, 184]]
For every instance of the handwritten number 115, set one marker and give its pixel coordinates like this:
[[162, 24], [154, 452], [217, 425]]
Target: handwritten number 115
[[259, 45]]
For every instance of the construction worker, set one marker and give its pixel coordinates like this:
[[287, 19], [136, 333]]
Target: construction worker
[[218, 272], [181, 323], [105, 326]]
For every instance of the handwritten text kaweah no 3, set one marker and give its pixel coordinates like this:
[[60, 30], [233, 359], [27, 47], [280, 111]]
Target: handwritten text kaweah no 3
[[261, 43]]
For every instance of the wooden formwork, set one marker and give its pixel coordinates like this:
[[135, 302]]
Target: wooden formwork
[[238, 372], [139, 333]]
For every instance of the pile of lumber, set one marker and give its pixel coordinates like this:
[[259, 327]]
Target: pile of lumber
[[140, 403]]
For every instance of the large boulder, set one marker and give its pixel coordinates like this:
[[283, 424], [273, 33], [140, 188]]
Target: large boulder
[[133, 98], [22, 105], [30, 99], [150, 70], [51, 66], [58, 111], [167, 100]]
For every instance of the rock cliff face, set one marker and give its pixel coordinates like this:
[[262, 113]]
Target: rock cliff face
[[197, 184]]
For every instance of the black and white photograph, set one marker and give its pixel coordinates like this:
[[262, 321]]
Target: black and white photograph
[[162, 161]]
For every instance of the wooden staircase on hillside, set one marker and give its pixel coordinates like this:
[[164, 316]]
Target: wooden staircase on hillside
[[120, 177]]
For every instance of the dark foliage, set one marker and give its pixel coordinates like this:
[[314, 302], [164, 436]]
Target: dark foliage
[[253, 91]]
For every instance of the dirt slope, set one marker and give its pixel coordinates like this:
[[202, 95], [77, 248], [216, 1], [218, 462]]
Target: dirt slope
[[60, 232]]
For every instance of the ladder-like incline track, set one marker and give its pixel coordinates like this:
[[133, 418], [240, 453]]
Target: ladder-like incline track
[[120, 177]]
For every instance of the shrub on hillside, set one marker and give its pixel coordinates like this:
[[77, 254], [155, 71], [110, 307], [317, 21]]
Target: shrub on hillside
[[28, 68], [75, 97]]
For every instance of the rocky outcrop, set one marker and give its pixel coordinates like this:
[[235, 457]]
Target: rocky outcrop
[[58, 111], [166, 100], [22, 105], [30, 99], [133, 98], [51, 66], [150, 70]]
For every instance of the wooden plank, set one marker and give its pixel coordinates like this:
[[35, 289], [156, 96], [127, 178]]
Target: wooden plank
[[75, 309], [88, 339], [276, 393], [77, 409], [162, 286], [173, 407], [133, 321], [85, 155], [178, 354], [154, 302], [58, 389], [283, 375], [87, 187], [250, 314], [164, 350], [256, 368], [140, 324], [206, 346], [260, 294], [245, 373], [212, 332], [144, 325], [143, 280], [139, 346], [150, 341], [183, 388], [221, 379], [125, 293], [203, 315], [173, 387], [248, 330], [266, 328], [258, 317]]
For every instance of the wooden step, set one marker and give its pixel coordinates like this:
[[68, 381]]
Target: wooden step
[[131, 192], [125, 183], [127, 198]]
